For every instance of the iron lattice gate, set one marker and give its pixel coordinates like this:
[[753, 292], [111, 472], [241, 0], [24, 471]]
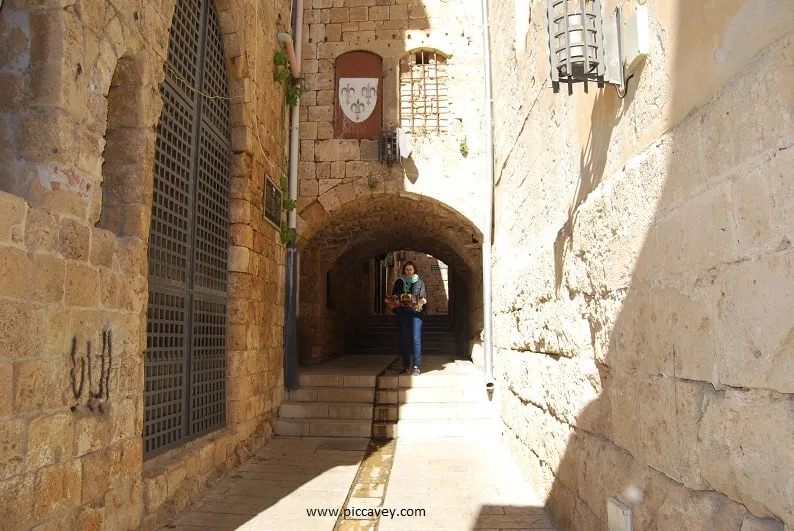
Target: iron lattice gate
[[185, 364]]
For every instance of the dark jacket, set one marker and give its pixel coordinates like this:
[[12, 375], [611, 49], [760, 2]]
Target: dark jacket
[[418, 291]]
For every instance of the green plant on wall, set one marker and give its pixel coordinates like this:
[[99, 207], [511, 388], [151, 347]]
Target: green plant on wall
[[283, 75], [287, 204], [293, 93], [286, 233], [281, 62], [464, 148]]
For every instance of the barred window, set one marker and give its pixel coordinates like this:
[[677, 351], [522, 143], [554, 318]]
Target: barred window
[[424, 98]]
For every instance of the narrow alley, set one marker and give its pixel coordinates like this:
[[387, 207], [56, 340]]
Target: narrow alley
[[397, 265], [439, 473]]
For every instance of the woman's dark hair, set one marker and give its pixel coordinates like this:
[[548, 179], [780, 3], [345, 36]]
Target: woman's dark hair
[[409, 263]]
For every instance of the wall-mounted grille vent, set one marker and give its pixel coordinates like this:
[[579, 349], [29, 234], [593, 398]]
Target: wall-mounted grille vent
[[388, 151]]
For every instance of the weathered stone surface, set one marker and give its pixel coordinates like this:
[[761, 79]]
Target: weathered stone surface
[[738, 433], [12, 217], [57, 487], [95, 479], [653, 244], [12, 442], [336, 150], [16, 500], [666, 504], [47, 281], [81, 279], [91, 434], [755, 347], [49, 440], [41, 230], [74, 240], [31, 385], [16, 271], [81, 287], [18, 330]]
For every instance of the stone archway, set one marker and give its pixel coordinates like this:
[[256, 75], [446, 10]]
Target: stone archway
[[363, 229]]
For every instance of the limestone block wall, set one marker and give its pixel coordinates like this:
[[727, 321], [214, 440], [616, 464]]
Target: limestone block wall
[[333, 171], [77, 135], [342, 177], [639, 338]]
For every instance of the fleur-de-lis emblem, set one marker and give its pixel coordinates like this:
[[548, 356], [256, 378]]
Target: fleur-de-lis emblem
[[357, 97], [369, 92], [348, 91], [357, 108]]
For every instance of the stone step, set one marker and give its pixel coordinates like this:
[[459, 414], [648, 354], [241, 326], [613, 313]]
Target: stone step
[[333, 394], [390, 318], [386, 350], [387, 412], [423, 430], [325, 410], [445, 395], [473, 381], [323, 428], [384, 430], [334, 380], [426, 338], [439, 346], [424, 395], [379, 330], [434, 429], [434, 411]]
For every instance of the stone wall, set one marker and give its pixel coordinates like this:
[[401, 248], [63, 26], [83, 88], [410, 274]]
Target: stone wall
[[77, 137], [638, 341], [334, 172], [342, 184]]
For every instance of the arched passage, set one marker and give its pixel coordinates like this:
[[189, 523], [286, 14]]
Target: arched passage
[[339, 249]]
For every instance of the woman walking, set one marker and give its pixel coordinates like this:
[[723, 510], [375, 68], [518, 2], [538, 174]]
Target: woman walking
[[408, 300]]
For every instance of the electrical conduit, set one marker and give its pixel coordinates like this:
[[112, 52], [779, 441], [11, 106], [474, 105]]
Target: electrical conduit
[[487, 233]]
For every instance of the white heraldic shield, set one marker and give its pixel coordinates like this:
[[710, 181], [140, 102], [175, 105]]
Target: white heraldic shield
[[357, 97]]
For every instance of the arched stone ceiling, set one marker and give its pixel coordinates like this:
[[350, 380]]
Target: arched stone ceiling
[[376, 224]]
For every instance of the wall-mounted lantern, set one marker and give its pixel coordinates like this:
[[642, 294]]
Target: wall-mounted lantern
[[584, 48]]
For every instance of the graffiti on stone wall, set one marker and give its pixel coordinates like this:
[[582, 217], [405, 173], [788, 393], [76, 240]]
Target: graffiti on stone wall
[[91, 374]]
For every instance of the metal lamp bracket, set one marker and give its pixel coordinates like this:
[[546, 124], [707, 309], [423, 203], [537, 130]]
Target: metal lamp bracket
[[625, 44], [613, 50]]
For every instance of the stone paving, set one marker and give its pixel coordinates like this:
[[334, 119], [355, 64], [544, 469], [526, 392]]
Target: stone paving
[[449, 483], [459, 485]]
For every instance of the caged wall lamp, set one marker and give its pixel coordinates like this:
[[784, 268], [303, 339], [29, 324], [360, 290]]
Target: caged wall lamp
[[584, 48]]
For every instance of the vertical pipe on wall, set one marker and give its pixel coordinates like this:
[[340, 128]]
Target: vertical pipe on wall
[[294, 138], [292, 265], [487, 233]]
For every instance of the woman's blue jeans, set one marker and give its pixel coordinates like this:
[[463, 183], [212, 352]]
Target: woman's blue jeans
[[410, 338]]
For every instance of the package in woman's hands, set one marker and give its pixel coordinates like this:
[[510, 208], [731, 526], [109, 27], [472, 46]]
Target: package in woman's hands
[[407, 300]]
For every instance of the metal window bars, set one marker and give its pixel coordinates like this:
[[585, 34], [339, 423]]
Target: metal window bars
[[185, 357], [424, 96]]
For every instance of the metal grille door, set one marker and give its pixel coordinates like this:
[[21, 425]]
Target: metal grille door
[[185, 363]]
